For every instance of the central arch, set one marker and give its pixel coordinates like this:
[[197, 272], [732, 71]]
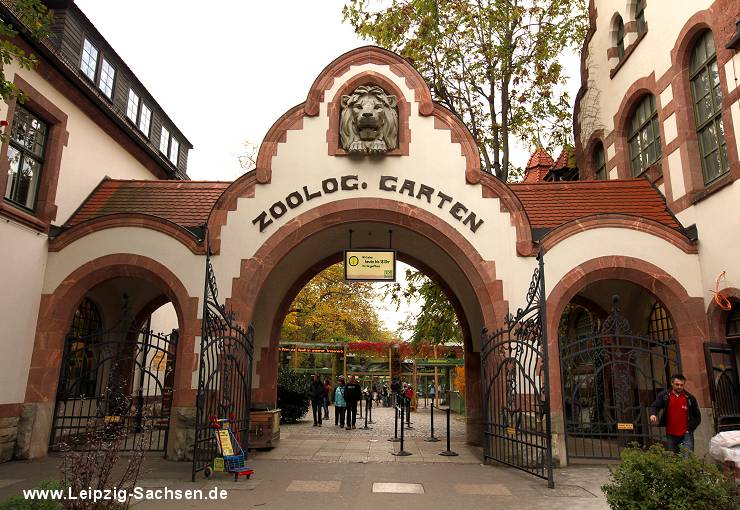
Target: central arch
[[313, 240]]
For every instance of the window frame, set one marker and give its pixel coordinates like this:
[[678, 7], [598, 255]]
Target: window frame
[[148, 131], [714, 119], [26, 153], [101, 86], [135, 120], [87, 316], [164, 139], [83, 61], [599, 166], [174, 144], [619, 43], [640, 17], [652, 122], [732, 323]]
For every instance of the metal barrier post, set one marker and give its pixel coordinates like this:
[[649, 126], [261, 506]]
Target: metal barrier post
[[448, 452], [395, 425], [431, 438], [408, 413], [367, 405], [370, 409], [402, 452]]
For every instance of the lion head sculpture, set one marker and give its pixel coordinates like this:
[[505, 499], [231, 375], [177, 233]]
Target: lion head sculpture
[[368, 123]]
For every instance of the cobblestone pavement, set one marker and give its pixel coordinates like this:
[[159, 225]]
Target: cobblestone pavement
[[383, 425]]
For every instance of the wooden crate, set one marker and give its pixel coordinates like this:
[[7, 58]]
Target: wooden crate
[[264, 428]]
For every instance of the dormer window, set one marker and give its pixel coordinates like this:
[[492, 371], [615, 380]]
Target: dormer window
[[145, 120], [89, 63], [174, 150], [132, 107], [164, 141], [107, 76]]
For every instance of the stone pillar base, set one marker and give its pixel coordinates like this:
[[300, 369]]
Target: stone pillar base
[[34, 428], [559, 452], [181, 437]]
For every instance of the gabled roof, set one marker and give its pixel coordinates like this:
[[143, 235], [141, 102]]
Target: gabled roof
[[551, 204], [186, 203]]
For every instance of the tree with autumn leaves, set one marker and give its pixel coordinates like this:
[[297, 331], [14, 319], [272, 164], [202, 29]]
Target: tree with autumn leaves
[[330, 309], [494, 63]]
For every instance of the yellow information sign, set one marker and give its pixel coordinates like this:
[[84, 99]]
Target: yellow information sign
[[625, 426], [510, 431], [370, 265], [225, 440]]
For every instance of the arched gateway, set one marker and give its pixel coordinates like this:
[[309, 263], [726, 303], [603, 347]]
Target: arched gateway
[[367, 152]]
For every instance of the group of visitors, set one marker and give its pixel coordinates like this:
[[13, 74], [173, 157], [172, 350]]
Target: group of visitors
[[346, 397]]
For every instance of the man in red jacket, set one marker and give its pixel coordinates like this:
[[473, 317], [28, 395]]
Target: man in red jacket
[[681, 415]]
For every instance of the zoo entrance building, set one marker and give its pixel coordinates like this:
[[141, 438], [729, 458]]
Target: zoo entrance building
[[122, 278]]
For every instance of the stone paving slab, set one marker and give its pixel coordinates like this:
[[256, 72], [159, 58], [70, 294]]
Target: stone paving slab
[[398, 488]]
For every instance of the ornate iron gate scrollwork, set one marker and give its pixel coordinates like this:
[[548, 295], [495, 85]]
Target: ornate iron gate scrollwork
[[610, 377], [515, 375], [122, 375], [224, 375]]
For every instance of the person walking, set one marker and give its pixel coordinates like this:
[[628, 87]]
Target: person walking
[[327, 398], [340, 405], [317, 399], [680, 415], [352, 395], [431, 392]]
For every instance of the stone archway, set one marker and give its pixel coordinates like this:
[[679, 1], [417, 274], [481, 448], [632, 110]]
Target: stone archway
[[55, 314], [470, 278]]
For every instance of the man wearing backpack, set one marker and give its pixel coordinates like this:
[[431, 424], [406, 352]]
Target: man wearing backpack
[[681, 415], [352, 395]]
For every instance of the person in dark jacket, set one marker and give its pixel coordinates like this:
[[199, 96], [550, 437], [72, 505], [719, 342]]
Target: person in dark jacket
[[317, 393], [680, 414], [327, 398], [352, 395]]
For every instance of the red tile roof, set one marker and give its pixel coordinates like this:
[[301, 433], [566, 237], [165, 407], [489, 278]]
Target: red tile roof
[[187, 203], [538, 165], [564, 160], [551, 204]]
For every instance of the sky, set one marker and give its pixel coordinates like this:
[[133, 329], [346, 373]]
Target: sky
[[226, 70]]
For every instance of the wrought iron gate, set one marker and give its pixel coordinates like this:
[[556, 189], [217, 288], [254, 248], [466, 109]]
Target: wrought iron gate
[[224, 376], [122, 375], [610, 377], [723, 385], [515, 375]]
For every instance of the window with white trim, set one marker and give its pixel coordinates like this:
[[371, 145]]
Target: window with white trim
[[164, 141], [107, 76], [89, 63], [145, 119], [174, 150], [132, 107]]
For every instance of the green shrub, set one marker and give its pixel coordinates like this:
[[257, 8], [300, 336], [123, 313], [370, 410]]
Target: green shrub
[[659, 479], [19, 503], [292, 395]]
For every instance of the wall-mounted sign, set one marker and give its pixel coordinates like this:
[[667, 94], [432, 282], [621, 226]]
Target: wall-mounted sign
[[625, 426], [440, 362], [370, 265], [312, 350]]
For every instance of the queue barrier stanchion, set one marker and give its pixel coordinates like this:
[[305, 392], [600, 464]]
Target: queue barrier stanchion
[[448, 452], [408, 414], [367, 404], [431, 438], [360, 408], [395, 439], [402, 452], [370, 410]]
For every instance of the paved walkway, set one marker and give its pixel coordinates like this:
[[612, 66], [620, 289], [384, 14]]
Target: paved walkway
[[307, 485], [326, 467]]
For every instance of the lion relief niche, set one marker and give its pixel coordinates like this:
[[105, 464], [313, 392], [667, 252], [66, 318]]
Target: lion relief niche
[[368, 122]]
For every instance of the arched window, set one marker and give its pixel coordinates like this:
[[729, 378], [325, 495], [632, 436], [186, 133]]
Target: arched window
[[80, 375], [707, 96], [660, 326], [584, 325], [619, 42], [733, 323], [640, 17], [599, 162], [643, 136]]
